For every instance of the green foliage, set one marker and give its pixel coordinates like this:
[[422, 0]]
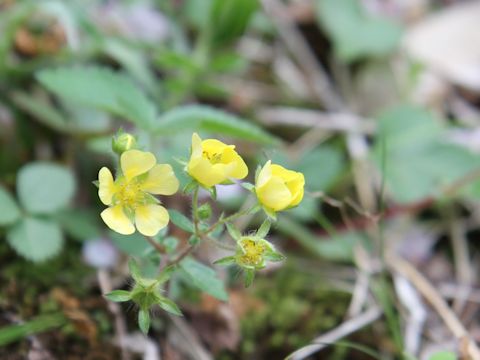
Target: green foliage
[[443, 355], [206, 118], [418, 161], [181, 221], [79, 224], [45, 188], [12, 333], [100, 88], [9, 211], [204, 278], [338, 247], [35, 239], [355, 33], [229, 19], [134, 245]]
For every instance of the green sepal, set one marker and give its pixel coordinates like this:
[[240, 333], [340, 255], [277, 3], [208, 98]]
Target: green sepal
[[134, 270], [165, 274], [274, 256], [249, 276], [233, 231], [228, 260], [96, 183], [227, 182], [213, 192], [169, 306], [257, 173], [187, 189], [262, 232], [144, 320], [270, 213], [118, 296], [248, 186]]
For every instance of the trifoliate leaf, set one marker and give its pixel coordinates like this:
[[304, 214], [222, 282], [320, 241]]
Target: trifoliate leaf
[[9, 211]]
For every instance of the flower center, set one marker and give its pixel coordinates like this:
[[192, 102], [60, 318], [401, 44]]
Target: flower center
[[253, 252], [214, 158], [129, 194]]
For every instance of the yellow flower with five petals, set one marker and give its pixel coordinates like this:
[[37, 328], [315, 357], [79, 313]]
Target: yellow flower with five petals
[[278, 188], [130, 196], [212, 162]]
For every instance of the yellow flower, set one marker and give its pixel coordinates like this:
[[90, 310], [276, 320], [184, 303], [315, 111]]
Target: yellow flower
[[278, 188], [251, 252], [130, 197], [213, 162]]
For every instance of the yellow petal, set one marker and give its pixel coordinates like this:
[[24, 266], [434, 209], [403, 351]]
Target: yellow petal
[[196, 146], [136, 162], [106, 186], [296, 187], [214, 146], [265, 174], [205, 173], [240, 169], [274, 194], [161, 180], [116, 220], [285, 174], [150, 219]]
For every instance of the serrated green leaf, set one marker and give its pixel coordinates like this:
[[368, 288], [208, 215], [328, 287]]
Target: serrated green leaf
[[44, 188], [144, 320], [355, 33], [9, 211], [36, 239], [181, 221], [204, 278], [233, 231], [264, 229], [118, 296], [228, 260], [206, 118], [170, 306], [100, 88]]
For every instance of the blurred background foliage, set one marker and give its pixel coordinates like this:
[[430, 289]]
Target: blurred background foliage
[[369, 99]]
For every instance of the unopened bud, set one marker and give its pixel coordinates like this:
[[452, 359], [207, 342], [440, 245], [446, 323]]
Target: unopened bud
[[205, 211], [123, 142]]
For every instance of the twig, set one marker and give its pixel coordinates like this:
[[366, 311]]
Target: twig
[[429, 292], [194, 348], [120, 325], [331, 121], [299, 49], [348, 327], [156, 245]]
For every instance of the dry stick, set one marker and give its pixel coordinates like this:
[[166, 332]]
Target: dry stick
[[462, 261], [330, 337], [120, 325], [429, 292], [300, 50], [192, 344]]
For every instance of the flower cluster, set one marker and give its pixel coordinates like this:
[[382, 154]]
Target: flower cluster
[[133, 205]]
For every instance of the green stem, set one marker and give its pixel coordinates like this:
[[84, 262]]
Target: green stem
[[227, 219], [195, 211]]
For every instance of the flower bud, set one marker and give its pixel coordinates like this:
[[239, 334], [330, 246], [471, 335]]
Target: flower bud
[[123, 142], [205, 211]]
